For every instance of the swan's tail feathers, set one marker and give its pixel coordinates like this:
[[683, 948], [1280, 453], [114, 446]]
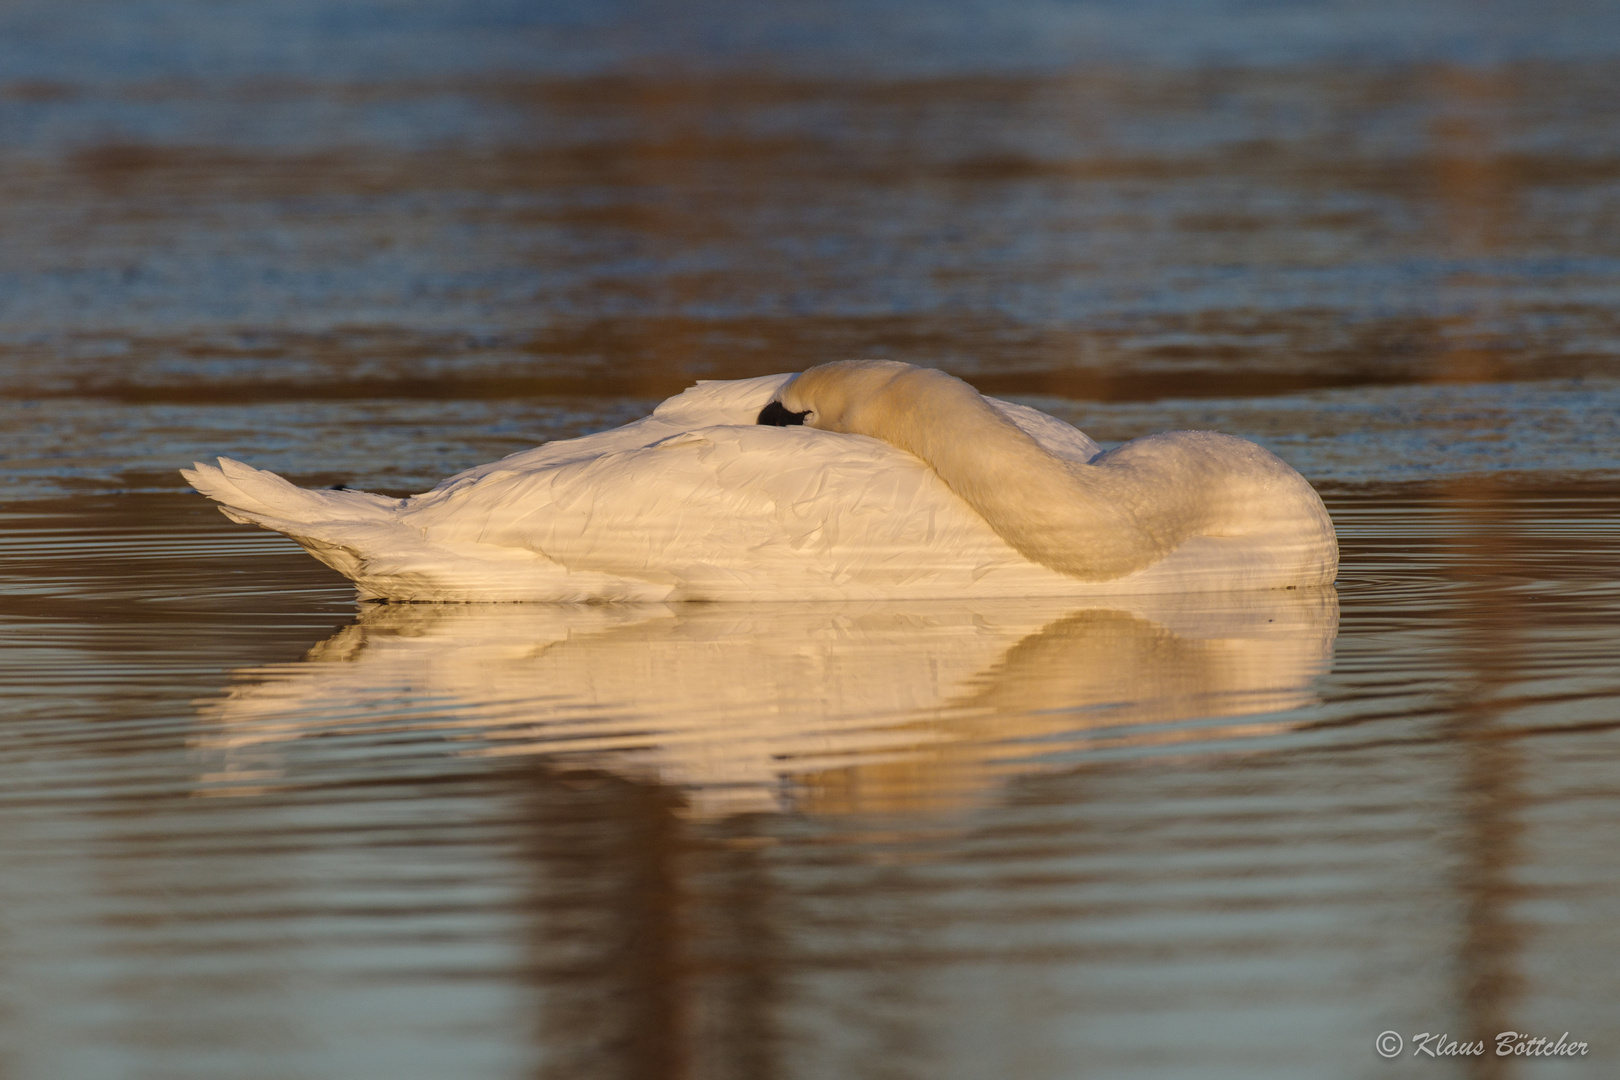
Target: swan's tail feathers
[[249, 494], [334, 526], [372, 540]]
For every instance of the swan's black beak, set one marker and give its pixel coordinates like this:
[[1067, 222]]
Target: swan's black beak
[[776, 415]]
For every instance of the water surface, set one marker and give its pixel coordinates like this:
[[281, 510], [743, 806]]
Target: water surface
[[250, 828]]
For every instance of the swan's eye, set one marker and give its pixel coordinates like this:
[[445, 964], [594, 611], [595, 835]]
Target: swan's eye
[[776, 415]]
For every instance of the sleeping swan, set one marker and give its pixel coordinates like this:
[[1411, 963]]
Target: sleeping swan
[[862, 479]]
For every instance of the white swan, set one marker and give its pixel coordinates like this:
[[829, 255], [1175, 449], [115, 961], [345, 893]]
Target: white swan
[[862, 479]]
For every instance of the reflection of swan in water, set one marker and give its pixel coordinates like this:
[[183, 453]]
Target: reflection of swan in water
[[823, 707], [856, 480]]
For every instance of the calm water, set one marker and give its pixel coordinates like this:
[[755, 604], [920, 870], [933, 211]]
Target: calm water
[[249, 828]]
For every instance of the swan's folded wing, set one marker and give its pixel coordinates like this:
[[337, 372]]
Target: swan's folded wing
[[738, 512]]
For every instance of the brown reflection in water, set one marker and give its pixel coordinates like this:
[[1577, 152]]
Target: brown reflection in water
[[1477, 204], [655, 946], [1490, 614], [741, 1036], [1477, 201], [1477, 198], [1490, 782], [674, 167], [611, 927]]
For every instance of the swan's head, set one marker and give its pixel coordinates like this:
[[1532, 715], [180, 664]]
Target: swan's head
[[840, 396]]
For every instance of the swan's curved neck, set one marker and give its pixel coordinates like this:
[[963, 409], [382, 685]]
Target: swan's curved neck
[[1091, 522]]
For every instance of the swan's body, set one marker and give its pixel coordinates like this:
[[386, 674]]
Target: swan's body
[[893, 481]]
